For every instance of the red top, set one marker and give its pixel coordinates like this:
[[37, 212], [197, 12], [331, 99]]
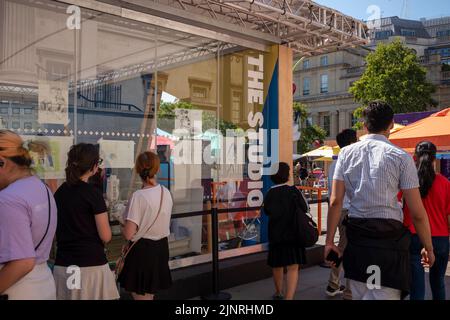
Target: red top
[[437, 205]]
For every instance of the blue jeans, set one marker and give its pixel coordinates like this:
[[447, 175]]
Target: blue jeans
[[437, 272]]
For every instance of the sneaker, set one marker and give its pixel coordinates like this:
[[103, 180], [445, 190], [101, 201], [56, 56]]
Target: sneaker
[[334, 292], [278, 296]]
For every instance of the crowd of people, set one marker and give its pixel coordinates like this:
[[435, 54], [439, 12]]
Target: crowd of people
[[392, 212], [393, 215], [31, 216]]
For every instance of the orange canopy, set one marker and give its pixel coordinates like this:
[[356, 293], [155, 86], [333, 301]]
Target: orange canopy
[[435, 128]]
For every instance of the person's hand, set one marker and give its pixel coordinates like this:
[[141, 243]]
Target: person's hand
[[428, 257], [328, 248]]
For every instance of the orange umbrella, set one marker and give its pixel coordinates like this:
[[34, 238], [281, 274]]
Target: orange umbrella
[[435, 128]]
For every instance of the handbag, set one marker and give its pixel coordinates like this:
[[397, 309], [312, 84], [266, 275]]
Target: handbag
[[127, 248], [306, 233]]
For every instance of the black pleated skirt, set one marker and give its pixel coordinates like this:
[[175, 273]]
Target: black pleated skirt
[[146, 268], [283, 255]]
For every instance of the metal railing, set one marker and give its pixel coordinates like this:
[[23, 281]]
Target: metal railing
[[319, 202]]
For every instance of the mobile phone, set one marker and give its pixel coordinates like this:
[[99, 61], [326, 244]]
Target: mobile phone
[[334, 257]]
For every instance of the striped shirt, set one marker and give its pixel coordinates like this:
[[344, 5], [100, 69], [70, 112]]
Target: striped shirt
[[373, 171]]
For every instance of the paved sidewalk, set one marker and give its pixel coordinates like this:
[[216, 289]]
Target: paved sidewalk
[[312, 284]]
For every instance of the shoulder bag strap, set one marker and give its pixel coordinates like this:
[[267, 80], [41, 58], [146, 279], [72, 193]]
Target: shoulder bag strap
[[49, 217], [157, 215], [159, 210]]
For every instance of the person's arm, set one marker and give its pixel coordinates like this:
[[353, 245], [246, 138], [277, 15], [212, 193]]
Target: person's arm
[[129, 230], [103, 228], [13, 271], [16, 242], [133, 216], [420, 220], [334, 216]]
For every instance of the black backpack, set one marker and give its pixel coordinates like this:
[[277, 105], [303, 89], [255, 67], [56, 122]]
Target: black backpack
[[306, 233]]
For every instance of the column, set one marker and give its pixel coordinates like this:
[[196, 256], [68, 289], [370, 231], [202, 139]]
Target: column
[[285, 98], [17, 30], [342, 120], [334, 124], [315, 118]]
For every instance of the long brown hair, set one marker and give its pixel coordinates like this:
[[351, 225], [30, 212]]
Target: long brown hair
[[82, 158]]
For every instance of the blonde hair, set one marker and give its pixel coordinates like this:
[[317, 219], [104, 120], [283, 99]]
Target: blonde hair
[[12, 147]]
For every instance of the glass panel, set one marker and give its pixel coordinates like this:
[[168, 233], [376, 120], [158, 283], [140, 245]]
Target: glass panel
[[243, 76], [37, 76], [187, 107], [132, 87]]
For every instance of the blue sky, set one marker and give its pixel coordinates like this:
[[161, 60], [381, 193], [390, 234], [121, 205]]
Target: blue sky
[[416, 8]]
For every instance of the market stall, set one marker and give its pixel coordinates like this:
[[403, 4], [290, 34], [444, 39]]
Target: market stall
[[436, 129]]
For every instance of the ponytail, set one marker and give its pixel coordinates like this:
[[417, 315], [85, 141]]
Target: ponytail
[[13, 148], [425, 155]]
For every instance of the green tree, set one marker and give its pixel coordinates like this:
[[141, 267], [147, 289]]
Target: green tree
[[393, 74], [308, 134]]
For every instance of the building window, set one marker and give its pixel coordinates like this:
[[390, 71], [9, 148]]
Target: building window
[[15, 124], [28, 125], [4, 110], [57, 71], [324, 61], [326, 124], [236, 108], [306, 64], [324, 83], [199, 92], [200, 89], [306, 86], [309, 122], [27, 111], [408, 33], [443, 33], [379, 35], [16, 110]]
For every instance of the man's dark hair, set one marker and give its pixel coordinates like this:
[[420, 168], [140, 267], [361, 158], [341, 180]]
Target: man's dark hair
[[282, 176], [378, 116], [346, 137]]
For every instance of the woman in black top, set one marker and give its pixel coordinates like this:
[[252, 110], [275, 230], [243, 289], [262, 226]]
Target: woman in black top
[[83, 229], [280, 205]]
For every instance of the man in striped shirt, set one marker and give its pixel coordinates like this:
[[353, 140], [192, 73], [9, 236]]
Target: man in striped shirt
[[371, 173]]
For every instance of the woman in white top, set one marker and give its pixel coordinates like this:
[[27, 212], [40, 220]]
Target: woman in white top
[[147, 222]]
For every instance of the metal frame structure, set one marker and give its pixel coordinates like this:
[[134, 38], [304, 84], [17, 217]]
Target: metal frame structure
[[305, 26]]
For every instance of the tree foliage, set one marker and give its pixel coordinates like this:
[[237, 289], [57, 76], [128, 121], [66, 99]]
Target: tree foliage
[[393, 74], [308, 133]]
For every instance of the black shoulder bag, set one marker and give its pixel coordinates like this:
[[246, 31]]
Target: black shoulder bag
[[305, 228]]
